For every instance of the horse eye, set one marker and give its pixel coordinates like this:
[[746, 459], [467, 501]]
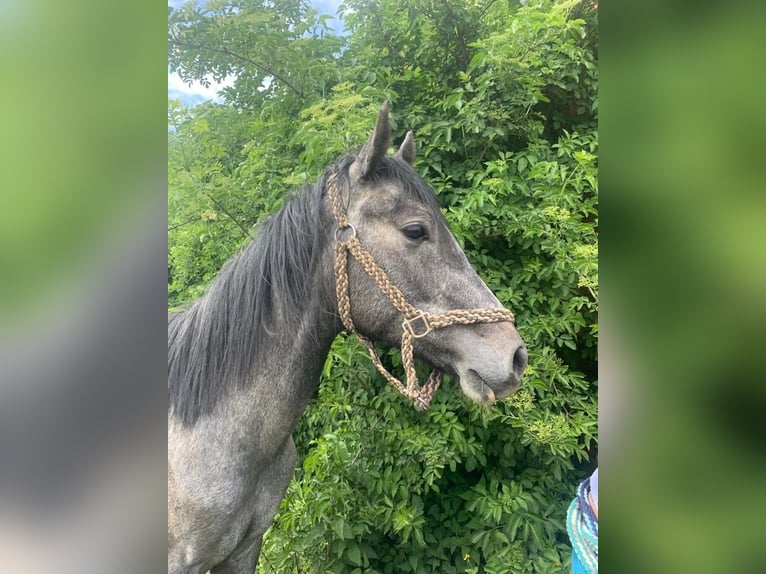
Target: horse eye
[[415, 231]]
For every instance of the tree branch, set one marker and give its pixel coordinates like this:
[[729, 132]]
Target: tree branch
[[228, 214], [486, 8], [190, 220], [225, 51], [459, 34]]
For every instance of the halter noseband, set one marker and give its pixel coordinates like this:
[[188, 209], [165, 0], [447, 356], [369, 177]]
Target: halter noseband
[[417, 323]]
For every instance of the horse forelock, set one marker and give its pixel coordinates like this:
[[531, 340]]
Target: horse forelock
[[409, 182], [393, 170]]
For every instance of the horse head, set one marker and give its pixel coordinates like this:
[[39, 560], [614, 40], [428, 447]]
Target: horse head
[[395, 216]]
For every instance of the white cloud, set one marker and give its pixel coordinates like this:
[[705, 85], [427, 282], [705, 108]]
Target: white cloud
[[196, 93], [331, 7]]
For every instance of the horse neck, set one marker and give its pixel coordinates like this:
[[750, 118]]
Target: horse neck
[[296, 348], [291, 348], [289, 365]]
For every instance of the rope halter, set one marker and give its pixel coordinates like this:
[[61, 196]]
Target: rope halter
[[417, 323]]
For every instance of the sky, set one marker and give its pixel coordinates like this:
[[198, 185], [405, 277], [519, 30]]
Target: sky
[[196, 93]]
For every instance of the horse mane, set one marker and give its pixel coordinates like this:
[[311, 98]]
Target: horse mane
[[214, 344]]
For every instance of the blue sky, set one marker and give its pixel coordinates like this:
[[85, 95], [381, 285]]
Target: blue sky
[[196, 93]]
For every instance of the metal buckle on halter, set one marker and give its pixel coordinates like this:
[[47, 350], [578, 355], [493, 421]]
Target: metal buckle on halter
[[407, 325], [340, 230]]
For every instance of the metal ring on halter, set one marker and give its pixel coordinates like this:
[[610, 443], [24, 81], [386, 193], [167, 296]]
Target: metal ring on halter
[[408, 325], [339, 230]]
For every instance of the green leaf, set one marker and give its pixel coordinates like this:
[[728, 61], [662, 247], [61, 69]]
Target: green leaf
[[354, 554]]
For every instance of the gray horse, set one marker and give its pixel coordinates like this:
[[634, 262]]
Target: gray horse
[[244, 360]]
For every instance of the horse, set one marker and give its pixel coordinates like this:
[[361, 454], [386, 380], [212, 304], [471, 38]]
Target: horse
[[246, 357]]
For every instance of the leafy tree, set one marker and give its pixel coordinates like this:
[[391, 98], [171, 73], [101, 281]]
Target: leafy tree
[[275, 50], [503, 99]]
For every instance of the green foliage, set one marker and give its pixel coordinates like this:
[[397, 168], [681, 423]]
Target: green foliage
[[275, 50], [503, 99]]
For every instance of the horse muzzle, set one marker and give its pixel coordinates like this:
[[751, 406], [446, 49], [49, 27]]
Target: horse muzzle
[[488, 379]]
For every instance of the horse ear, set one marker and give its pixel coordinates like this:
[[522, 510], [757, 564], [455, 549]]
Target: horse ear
[[376, 147], [407, 149]]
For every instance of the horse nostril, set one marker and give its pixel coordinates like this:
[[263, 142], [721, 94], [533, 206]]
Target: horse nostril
[[520, 359]]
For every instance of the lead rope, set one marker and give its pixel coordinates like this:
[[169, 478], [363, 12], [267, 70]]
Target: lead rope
[[416, 323]]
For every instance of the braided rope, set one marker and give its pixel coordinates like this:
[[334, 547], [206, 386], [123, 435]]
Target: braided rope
[[417, 323]]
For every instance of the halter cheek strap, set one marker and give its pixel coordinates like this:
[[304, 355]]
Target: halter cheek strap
[[416, 324]]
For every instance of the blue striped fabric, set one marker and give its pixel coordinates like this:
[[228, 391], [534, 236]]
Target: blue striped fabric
[[577, 567], [582, 526]]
